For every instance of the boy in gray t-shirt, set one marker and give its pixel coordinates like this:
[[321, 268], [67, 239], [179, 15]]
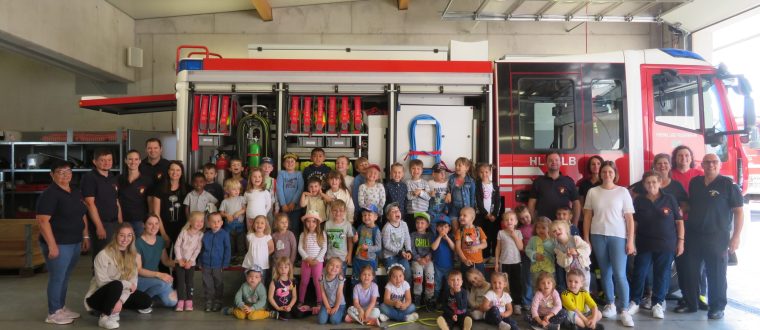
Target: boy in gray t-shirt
[[422, 259], [340, 234]]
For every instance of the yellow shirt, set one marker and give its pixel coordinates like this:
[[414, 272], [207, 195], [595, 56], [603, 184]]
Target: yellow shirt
[[577, 301]]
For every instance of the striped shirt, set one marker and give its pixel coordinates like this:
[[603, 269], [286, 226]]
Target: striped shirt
[[308, 247]]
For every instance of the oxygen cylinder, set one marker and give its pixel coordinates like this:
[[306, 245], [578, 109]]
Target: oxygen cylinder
[[307, 114], [294, 114], [254, 153], [221, 167]]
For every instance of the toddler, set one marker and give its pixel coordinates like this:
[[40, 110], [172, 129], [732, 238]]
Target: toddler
[[340, 234], [365, 295], [397, 244], [540, 250], [546, 310], [371, 192], [312, 248], [338, 191], [213, 187], [282, 291], [455, 307], [422, 259], [439, 189], [233, 211], [186, 249], [443, 251], [198, 199], [397, 302], [214, 257], [396, 190], [477, 293], [571, 251], [251, 298], [508, 248], [368, 242], [489, 208], [284, 239], [498, 303], [418, 194], [331, 289], [260, 245], [461, 188], [313, 198], [257, 199], [581, 308], [470, 242]]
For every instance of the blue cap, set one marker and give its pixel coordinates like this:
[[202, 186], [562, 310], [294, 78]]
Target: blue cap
[[255, 269], [372, 208], [442, 218], [266, 160]]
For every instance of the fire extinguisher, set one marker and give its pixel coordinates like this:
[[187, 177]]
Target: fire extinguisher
[[254, 153], [332, 112], [357, 114], [221, 167], [320, 120], [294, 114], [345, 117], [307, 114]]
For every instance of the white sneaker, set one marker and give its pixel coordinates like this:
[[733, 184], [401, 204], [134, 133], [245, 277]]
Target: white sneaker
[[609, 311], [107, 322], [517, 310], [145, 311], [383, 318], [412, 317], [633, 308], [71, 314], [116, 317], [626, 318], [504, 326], [59, 317], [658, 311], [646, 302]]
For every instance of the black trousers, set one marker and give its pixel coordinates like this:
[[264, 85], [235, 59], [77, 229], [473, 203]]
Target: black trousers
[[493, 317], [104, 299], [699, 249], [213, 286], [492, 232], [184, 283], [514, 275]]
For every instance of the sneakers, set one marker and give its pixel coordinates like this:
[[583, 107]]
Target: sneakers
[[188, 305], [646, 302], [658, 311], [216, 307], [609, 311], [517, 310], [412, 317], [108, 322], [304, 308], [441, 322], [467, 323], [208, 307], [702, 303], [145, 310], [552, 327], [383, 318], [626, 319], [315, 310], [633, 308], [70, 314], [180, 306], [227, 311], [348, 319], [274, 315], [59, 317], [504, 326]]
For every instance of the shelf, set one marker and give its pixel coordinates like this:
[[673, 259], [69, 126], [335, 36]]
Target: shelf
[[327, 135], [52, 144]]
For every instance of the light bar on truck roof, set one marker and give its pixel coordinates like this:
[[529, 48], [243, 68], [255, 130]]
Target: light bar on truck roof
[[682, 53]]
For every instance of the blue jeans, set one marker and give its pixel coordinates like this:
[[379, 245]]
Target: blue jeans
[[156, 288], [527, 297], [60, 271], [138, 226], [401, 261], [397, 314], [610, 254], [356, 268], [336, 318], [660, 263], [440, 278]]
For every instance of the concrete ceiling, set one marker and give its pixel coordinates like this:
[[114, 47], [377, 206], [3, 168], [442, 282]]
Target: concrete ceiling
[[142, 9]]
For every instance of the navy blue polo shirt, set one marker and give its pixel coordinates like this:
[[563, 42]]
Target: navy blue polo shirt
[[674, 188], [133, 197], [550, 194], [105, 189], [154, 172], [66, 210], [711, 208], [215, 190], [656, 230]]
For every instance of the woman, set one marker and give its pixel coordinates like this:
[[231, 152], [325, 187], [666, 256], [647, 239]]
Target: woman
[[63, 235], [685, 168], [608, 226], [167, 202], [659, 236], [132, 192], [592, 179], [114, 285], [661, 166], [151, 250]]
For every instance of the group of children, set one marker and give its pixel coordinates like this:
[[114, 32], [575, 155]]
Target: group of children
[[316, 229]]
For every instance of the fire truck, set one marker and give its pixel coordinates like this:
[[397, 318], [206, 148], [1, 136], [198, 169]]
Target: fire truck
[[626, 106]]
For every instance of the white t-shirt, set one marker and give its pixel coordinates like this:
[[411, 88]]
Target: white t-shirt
[[258, 202], [398, 293], [500, 302], [258, 251], [509, 254], [199, 202], [487, 196], [609, 206], [231, 205]]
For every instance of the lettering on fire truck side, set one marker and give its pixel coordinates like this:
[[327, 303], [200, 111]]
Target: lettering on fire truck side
[[540, 161]]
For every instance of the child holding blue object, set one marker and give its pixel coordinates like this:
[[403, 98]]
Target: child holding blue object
[[289, 190], [215, 255]]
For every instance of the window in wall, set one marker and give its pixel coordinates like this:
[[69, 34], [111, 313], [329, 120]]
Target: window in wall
[[607, 103], [676, 100], [546, 113]]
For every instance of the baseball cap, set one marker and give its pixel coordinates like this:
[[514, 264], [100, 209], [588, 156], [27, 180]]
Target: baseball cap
[[439, 167], [442, 218], [290, 155], [254, 268], [266, 160], [372, 208], [375, 166], [423, 215]]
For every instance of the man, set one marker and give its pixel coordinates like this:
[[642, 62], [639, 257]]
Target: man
[[553, 190], [100, 192], [154, 166], [716, 203]]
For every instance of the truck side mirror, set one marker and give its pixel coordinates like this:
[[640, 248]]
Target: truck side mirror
[[714, 138]]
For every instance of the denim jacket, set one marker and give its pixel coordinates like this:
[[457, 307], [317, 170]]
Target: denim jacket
[[462, 196]]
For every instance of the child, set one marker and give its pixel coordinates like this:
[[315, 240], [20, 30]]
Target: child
[[214, 257], [455, 308], [266, 165], [317, 168], [186, 249], [260, 245], [443, 251], [439, 188], [546, 309], [498, 303], [289, 188], [236, 172], [338, 191], [368, 242], [526, 229], [213, 187], [477, 293], [284, 239], [341, 165], [360, 168], [233, 211], [258, 201], [331, 289], [565, 213], [577, 301], [340, 234], [508, 248], [251, 298], [371, 192], [396, 190], [489, 208], [312, 247], [461, 188], [365, 295], [397, 243], [282, 291], [418, 196], [422, 259], [198, 200], [540, 250], [571, 251], [397, 301], [313, 198], [470, 241]]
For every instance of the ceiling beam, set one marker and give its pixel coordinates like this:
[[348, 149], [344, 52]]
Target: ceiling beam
[[403, 4], [263, 8]]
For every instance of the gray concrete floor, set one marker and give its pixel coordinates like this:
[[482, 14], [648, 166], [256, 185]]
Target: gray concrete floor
[[23, 304]]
